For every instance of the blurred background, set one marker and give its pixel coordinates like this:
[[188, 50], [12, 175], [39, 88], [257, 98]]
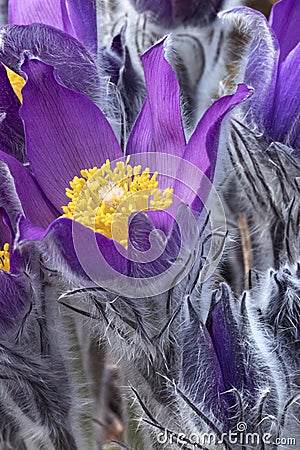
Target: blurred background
[[261, 5]]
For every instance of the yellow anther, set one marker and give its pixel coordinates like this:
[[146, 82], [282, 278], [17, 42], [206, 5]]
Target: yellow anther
[[103, 198], [17, 82], [5, 258]]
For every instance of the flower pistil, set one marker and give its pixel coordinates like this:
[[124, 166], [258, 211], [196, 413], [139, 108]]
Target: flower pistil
[[5, 258]]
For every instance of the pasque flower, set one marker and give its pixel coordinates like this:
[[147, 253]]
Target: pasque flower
[[107, 214], [68, 136], [68, 143], [265, 140], [66, 38], [74, 17], [282, 121], [271, 67]]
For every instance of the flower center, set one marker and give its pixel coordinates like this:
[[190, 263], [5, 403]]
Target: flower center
[[17, 82], [103, 198], [5, 258]]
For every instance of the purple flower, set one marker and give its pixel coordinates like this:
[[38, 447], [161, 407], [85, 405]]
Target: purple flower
[[272, 68], [283, 116], [74, 17], [62, 34], [74, 66], [66, 133]]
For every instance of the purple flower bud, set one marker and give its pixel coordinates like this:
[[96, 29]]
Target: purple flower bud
[[171, 13]]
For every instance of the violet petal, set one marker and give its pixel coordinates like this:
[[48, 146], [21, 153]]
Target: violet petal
[[76, 250], [74, 65], [80, 21], [153, 254], [196, 376], [284, 20], [25, 12], [262, 47], [226, 340], [158, 126], [75, 17], [285, 124], [145, 247], [36, 207], [11, 127], [65, 132], [202, 148]]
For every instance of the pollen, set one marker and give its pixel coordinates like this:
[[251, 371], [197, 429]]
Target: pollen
[[5, 258], [103, 198], [17, 82]]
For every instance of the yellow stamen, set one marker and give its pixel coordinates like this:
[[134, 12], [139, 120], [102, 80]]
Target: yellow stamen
[[103, 198], [17, 82], [5, 258]]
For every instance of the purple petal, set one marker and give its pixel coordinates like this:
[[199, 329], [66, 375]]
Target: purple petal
[[77, 250], [81, 255], [139, 230], [201, 367], [146, 248], [225, 337], [170, 13], [65, 132], [286, 110], [153, 254], [163, 220], [284, 20], [261, 62], [193, 181], [157, 263], [80, 21], [73, 64], [28, 231], [158, 127], [25, 12], [202, 148], [75, 17], [36, 207], [11, 127]]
